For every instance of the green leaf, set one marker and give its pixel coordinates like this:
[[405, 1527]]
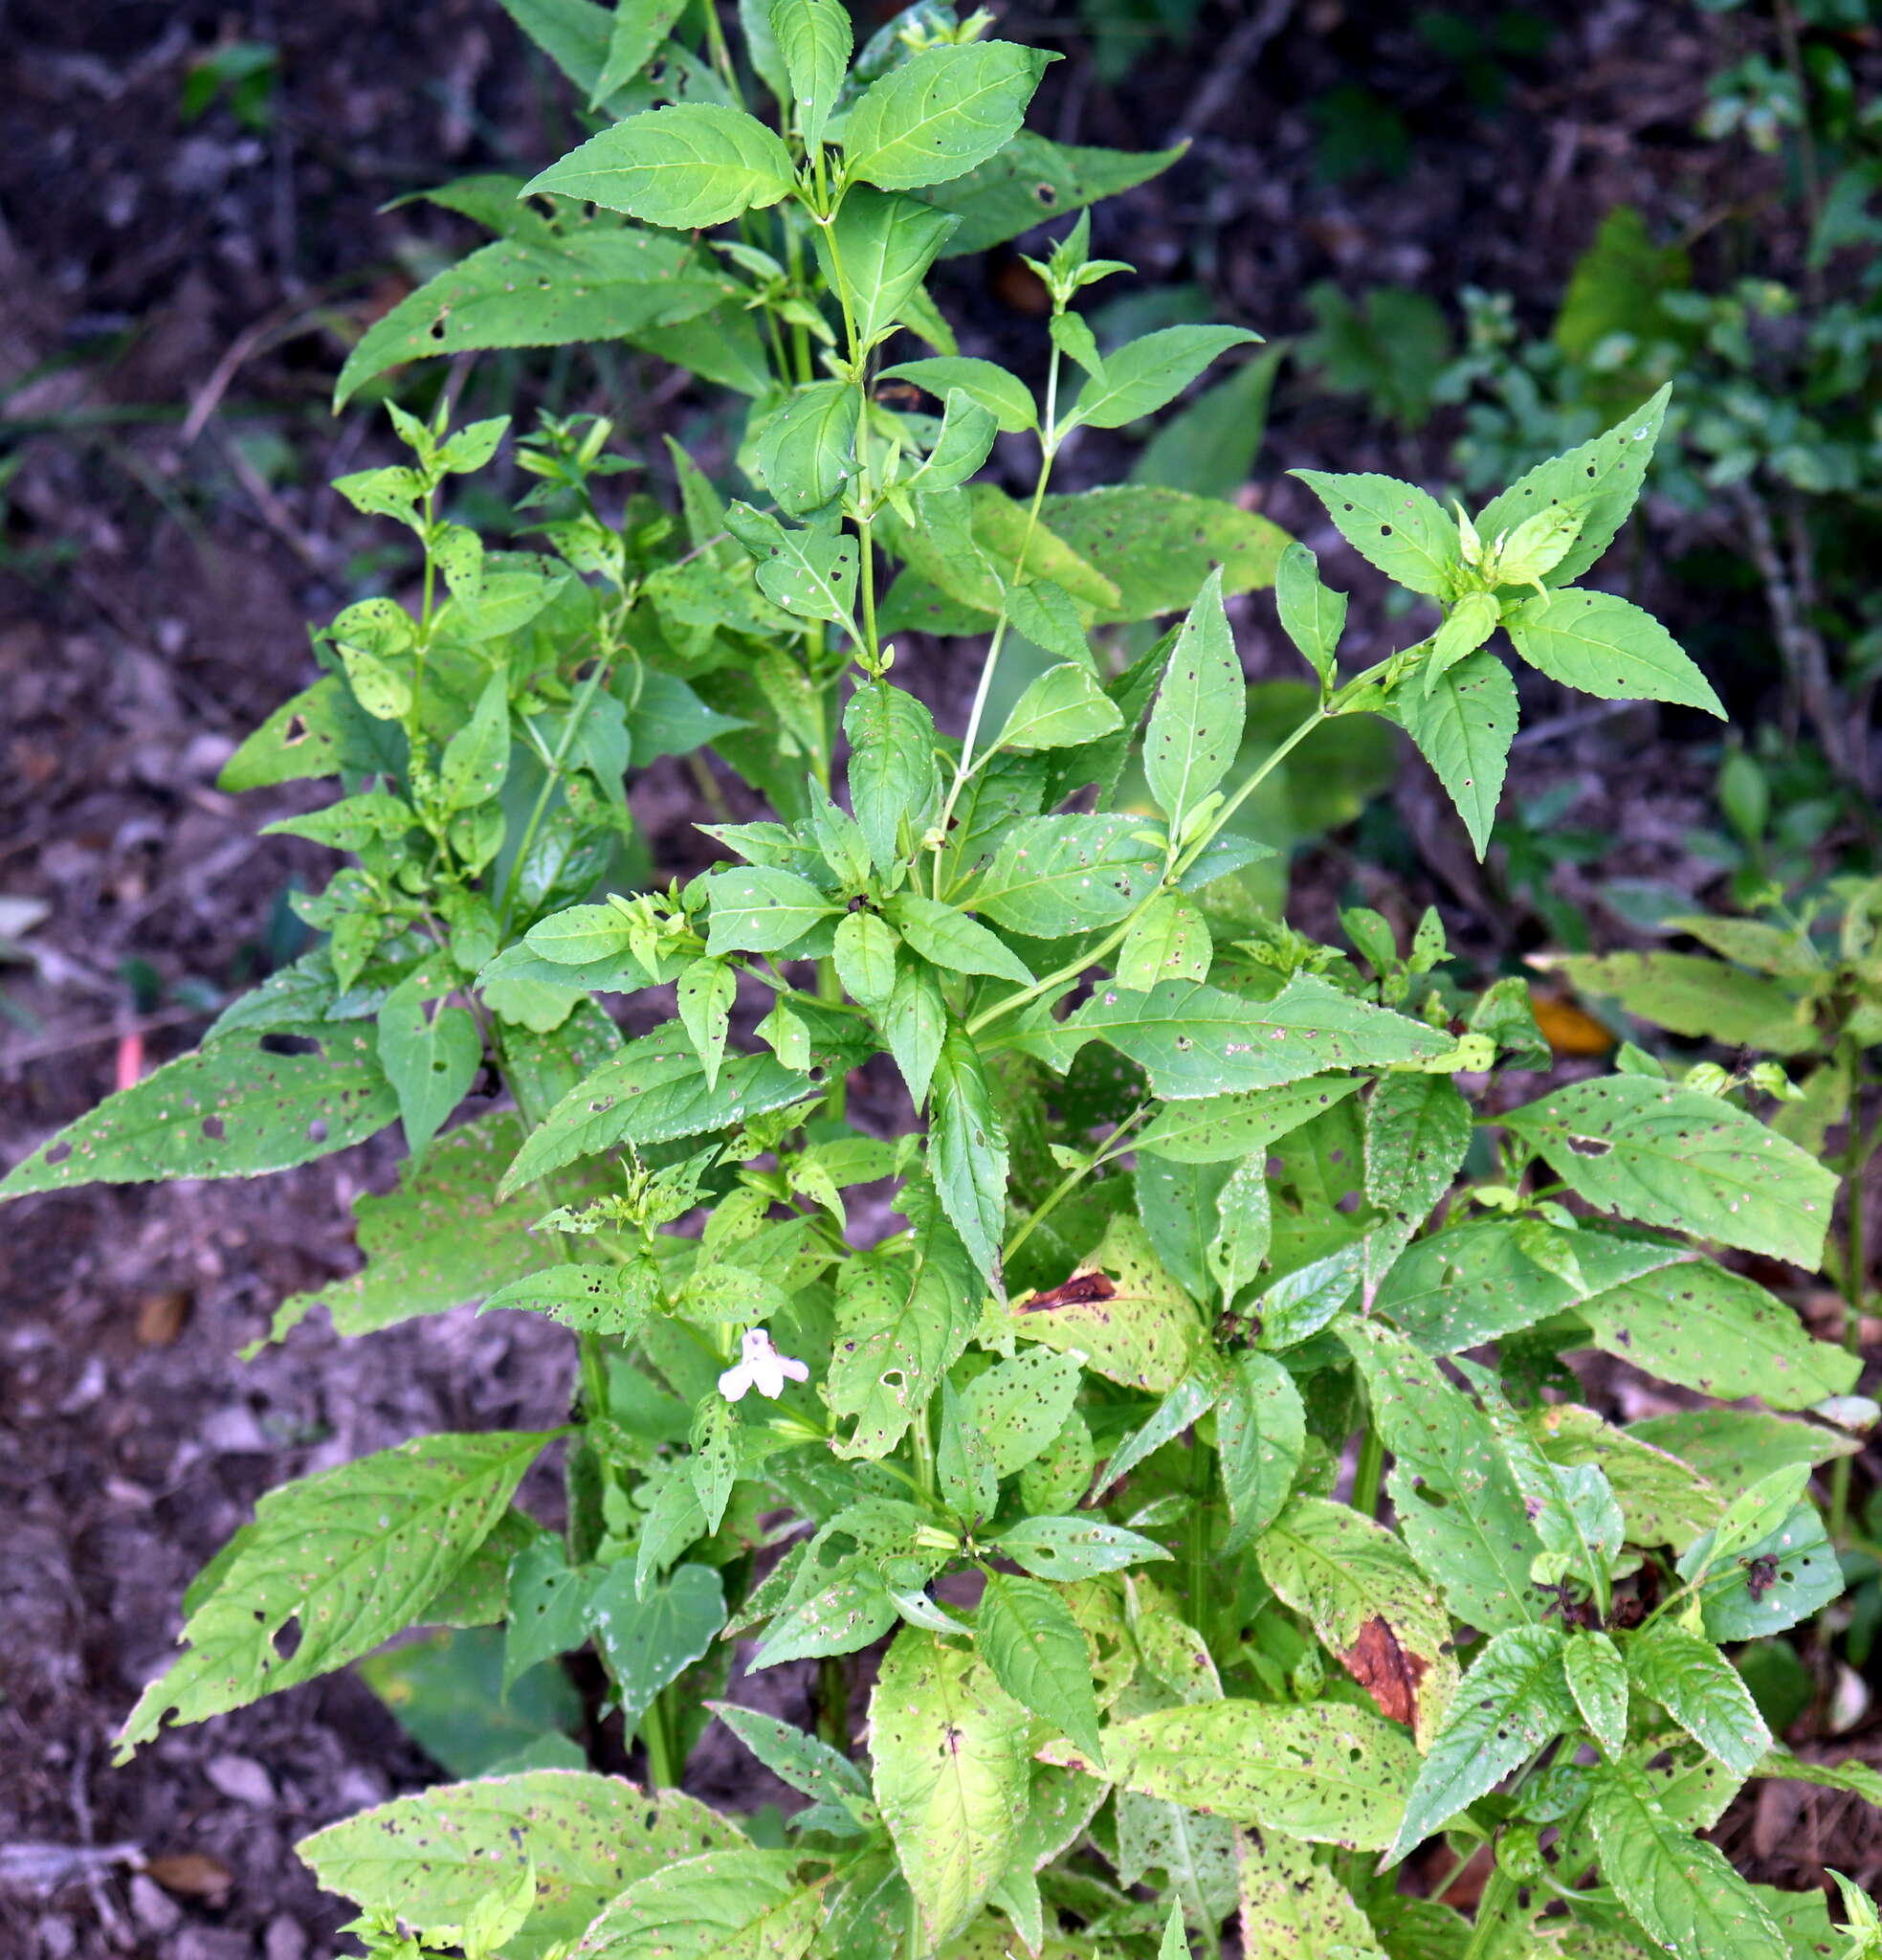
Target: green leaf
[[589, 284], [1021, 1405], [1697, 1323], [704, 993], [649, 1638], [1600, 480], [1196, 1040], [814, 40], [1156, 547], [1370, 1605], [968, 1483], [1417, 1130], [687, 166], [1312, 616], [1031, 180], [1261, 1435], [1170, 941], [1645, 1150], [865, 953], [1678, 1886], [1702, 1691], [1221, 1129], [803, 1761], [1038, 1656], [877, 253], [806, 450], [1597, 1679], [1141, 376], [1607, 647], [1396, 526], [639, 28], [952, 940], [1209, 446], [1063, 709], [892, 766], [1463, 725], [428, 1858], [1002, 396], [968, 1151], [1196, 721], [902, 1323], [1769, 1585], [961, 445], [430, 1061], [940, 113], [1121, 1311], [573, 33], [1732, 1448], [915, 1026], [1068, 1549], [1178, 1205], [303, 740], [1054, 876], [757, 910], [810, 573], [1663, 1502], [237, 1109], [1324, 1772], [652, 1092], [1688, 995], [951, 1774], [1458, 1508], [738, 1905], [545, 1606], [1513, 1699], [667, 718], [350, 1557]]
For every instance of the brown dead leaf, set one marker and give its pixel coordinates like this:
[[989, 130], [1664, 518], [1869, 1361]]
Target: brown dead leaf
[[161, 1317], [1385, 1670], [193, 1875], [1569, 1030], [1080, 1290]]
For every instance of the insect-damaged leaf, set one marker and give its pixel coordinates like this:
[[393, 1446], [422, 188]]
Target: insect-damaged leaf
[[1367, 1600], [740, 1904], [236, 1108], [1292, 1907], [1121, 1311], [951, 1774], [1326, 1772], [349, 1557], [429, 1857], [1645, 1150]]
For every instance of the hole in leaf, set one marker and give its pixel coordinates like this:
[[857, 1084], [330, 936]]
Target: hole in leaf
[[286, 1642], [276, 1043], [212, 1128]]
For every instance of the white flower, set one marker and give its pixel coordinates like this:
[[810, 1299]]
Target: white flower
[[761, 1367]]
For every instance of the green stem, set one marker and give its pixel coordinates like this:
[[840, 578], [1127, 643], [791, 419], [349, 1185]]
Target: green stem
[[659, 1747], [577, 715], [1369, 1469], [1858, 1151], [834, 1701], [1071, 1180], [1500, 1894]]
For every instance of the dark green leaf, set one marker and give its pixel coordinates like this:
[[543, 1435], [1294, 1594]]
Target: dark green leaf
[[1606, 647], [686, 167], [1398, 527], [1463, 725], [940, 113]]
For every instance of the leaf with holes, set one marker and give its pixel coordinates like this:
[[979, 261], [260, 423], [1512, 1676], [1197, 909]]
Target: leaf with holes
[[1645, 1149], [348, 1558], [1038, 1656], [1607, 647], [1401, 530], [940, 113], [738, 1905], [248, 1103], [1121, 1311], [1463, 725]]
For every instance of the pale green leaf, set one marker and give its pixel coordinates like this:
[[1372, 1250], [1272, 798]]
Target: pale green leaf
[[1121, 1311], [1261, 1435], [1687, 995], [1196, 720], [1143, 374], [1063, 709], [968, 1151], [1597, 1679], [686, 167], [738, 1905], [806, 450], [940, 113], [1038, 1656], [1398, 527], [1055, 875], [1002, 396], [1220, 1129], [952, 940], [762, 911], [1312, 616], [814, 39], [1605, 646], [1156, 547], [1463, 725], [892, 766], [1702, 1691]]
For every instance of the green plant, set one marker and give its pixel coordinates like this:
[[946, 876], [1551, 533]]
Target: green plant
[[1177, 1182]]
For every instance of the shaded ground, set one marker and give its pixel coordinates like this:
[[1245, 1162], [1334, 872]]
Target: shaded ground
[[174, 301]]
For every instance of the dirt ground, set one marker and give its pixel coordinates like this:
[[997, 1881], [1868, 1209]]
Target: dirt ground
[[175, 297]]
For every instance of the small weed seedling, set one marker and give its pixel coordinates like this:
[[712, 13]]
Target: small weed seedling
[[1064, 1450]]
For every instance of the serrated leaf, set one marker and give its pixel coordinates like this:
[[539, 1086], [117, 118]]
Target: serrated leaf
[[1063, 709], [1121, 1311], [1676, 1885], [639, 28], [952, 940], [1645, 1149], [1156, 547], [1141, 376], [582, 285], [1607, 647], [915, 1026], [1370, 1605], [1261, 1435], [1687, 995], [429, 1059], [1029, 180], [1702, 1691], [892, 765], [349, 1557], [884, 245], [1396, 526], [1196, 1040], [1513, 1701], [940, 113], [758, 910], [1220, 1129], [1463, 725], [951, 1774], [704, 993], [1597, 1679], [685, 167], [1458, 1508], [1417, 1129], [968, 1151], [1068, 1549], [805, 451], [1038, 1656], [1324, 1772], [1021, 1405], [1197, 718], [236, 1108], [1002, 396], [811, 573], [1600, 479], [738, 1905], [1292, 1907], [814, 41], [1054, 876], [428, 1858], [649, 1637], [1312, 616]]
